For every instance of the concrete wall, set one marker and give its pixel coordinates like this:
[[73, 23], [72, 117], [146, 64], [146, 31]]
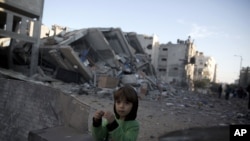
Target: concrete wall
[[27, 106], [30, 6], [206, 65], [18, 16], [145, 42], [171, 57]]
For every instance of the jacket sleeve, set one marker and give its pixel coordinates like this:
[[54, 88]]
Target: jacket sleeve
[[99, 131], [130, 133]]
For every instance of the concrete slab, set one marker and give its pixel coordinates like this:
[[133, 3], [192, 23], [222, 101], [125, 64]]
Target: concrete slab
[[60, 133], [214, 133], [71, 56]]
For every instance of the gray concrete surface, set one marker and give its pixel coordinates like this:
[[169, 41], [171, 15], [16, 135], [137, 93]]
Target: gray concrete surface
[[26, 106], [60, 133]]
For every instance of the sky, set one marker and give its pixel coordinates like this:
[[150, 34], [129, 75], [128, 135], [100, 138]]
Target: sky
[[219, 28]]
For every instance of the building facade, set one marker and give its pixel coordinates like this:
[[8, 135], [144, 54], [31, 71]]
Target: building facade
[[176, 62], [244, 80], [150, 44], [21, 21], [205, 67]]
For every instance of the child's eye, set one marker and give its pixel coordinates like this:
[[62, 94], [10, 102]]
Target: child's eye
[[127, 102]]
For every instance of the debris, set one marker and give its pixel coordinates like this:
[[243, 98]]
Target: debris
[[107, 82]]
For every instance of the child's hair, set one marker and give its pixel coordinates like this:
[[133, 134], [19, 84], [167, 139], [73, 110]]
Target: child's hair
[[128, 93]]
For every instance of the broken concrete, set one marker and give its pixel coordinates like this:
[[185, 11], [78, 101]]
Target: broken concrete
[[107, 82], [30, 107], [60, 133], [76, 62], [29, 14], [89, 54], [95, 52], [100, 45]]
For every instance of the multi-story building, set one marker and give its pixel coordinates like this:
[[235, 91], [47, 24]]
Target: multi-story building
[[150, 44], [21, 22], [176, 62], [205, 67], [244, 80]]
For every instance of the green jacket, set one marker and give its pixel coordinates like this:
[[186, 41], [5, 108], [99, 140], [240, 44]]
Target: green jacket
[[119, 130]]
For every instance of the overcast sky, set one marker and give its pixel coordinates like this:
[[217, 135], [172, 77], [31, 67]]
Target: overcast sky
[[219, 28]]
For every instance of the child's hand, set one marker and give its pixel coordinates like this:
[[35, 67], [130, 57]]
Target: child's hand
[[109, 116], [98, 114]]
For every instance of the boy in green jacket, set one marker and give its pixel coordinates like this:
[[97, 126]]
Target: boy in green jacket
[[122, 126]]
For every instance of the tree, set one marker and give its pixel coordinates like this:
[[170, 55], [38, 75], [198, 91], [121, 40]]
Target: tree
[[203, 83]]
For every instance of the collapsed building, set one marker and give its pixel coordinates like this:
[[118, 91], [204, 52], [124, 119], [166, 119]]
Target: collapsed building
[[101, 57], [94, 54]]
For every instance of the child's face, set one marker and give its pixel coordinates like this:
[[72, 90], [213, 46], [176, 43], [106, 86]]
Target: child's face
[[123, 107]]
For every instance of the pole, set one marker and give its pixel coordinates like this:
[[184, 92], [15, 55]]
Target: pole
[[240, 69], [240, 66], [240, 62]]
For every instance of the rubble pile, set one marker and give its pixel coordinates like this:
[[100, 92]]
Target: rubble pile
[[93, 57]]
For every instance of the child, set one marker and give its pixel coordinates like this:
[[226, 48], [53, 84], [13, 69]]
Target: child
[[122, 126]]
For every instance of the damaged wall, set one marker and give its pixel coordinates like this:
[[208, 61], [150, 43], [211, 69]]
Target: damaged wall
[[21, 21], [95, 52], [27, 106]]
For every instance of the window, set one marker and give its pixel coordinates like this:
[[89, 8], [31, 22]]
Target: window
[[165, 49], [162, 70], [163, 59], [149, 47], [16, 23], [3, 17]]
